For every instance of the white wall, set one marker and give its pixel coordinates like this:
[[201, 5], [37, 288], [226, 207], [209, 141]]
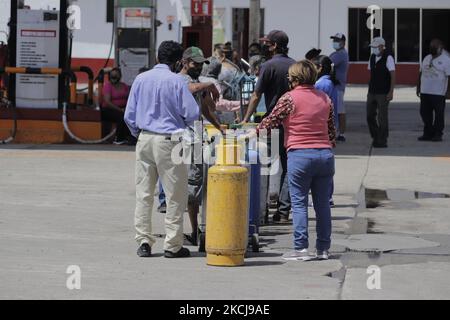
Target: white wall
[[4, 18], [94, 38], [299, 18]]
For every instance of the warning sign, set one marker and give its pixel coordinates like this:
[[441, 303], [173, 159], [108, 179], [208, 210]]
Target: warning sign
[[37, 47], [201, 8]]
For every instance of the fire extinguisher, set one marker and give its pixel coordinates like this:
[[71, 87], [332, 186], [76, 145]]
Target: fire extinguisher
[[3, 61], [3, 57], [3, 54]]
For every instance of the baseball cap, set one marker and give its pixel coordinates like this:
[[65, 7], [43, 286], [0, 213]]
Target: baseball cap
[[277, 36], [339, 36], [195, 54], [378, 41]]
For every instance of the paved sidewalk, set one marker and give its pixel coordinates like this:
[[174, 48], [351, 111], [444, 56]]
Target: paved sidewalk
[[73, 205]]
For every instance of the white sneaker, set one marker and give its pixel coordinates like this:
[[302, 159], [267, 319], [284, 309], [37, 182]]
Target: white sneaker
[[322, 255], [120, 143], [297, 255]]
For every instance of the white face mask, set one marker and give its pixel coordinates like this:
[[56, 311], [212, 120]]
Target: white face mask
[[336, 45], [376, 51]]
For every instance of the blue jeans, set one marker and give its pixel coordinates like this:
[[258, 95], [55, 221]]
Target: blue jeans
[[311, 169]]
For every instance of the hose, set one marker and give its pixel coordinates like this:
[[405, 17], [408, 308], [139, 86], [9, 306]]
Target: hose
[[77, 139], [8, 104], [110, 50]]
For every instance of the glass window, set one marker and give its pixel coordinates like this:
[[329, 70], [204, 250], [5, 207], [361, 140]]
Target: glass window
[[408, 35], [358, 35], [389, 30], [109, 11], [436, 24]]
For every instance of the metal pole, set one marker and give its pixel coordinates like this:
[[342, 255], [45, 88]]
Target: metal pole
[[319, 31], [12, 44], [153, 31], [64, 55], [116, 35], [255, 21]]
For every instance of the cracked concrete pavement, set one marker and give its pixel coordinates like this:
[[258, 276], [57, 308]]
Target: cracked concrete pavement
[[73, 205]]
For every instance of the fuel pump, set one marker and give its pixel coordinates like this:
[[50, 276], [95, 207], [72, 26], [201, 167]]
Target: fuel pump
[[39, 39], [41, 85], [135, 31]]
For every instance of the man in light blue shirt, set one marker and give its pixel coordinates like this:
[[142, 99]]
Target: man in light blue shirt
[[340, 60], [159, 107]]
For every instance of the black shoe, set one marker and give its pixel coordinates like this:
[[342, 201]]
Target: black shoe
[[131, 141], [424, 138], [183, 253], [120, 142], [379, 145], [144, 251], [192, 238], [280, 218], [341, 138], [437, 139]]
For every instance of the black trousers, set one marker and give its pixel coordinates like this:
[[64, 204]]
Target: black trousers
[[284, 199], [378, 117], [432, 111], [116, 117]]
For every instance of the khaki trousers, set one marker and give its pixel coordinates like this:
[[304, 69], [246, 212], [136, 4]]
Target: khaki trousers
[[153, 161]]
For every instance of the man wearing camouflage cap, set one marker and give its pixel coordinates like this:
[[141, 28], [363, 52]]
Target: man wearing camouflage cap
[[205, 94]]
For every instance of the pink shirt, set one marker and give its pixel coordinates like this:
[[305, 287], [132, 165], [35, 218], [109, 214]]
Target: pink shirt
[[119, 97], [307, 117]]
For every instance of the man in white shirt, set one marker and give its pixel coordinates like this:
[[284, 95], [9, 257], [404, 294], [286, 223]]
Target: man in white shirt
[[432, 89], [381, 92]]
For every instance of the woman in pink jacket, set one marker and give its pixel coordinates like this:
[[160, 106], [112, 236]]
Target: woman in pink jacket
[[308, 119]]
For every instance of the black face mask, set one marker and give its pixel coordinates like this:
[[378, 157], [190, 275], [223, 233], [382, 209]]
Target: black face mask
[[435, 51], [114, 80], [265, 51], [194, 73], [229, 55], [177, 67]]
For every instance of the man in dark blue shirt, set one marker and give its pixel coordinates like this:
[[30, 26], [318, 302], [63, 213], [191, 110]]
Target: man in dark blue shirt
[[273, 83]]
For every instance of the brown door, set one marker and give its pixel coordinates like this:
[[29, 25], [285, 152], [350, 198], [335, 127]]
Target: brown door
[[241, 27], [199, 35]]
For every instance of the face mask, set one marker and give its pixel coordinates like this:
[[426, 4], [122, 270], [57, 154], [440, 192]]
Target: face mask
[[114, 80], [376, 51], [435, 51], [194, 73], [265, 50], [177, 67], [336, 45]]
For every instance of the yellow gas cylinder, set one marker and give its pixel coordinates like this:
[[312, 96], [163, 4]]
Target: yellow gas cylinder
[[227, 218]]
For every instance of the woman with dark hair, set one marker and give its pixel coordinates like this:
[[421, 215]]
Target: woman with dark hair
[[115, 95], [312, 54], [327, 83], [307, 117]]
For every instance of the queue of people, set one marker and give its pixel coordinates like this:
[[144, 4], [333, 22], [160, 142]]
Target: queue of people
[[304, 100]]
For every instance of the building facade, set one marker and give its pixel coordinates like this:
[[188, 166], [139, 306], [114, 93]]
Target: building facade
[[407, 25]]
